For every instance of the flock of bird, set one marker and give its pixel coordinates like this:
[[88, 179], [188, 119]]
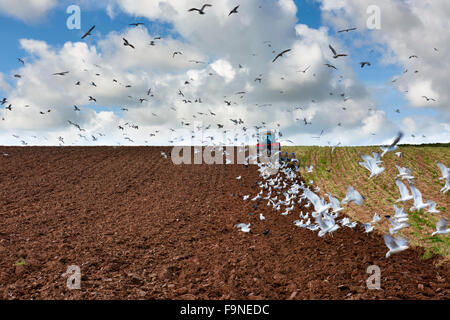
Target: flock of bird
[[286, 184], [230, 100], [287, 193]]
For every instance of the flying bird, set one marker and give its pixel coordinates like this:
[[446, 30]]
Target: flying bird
[[365, 63], [441, 227], [200, 11], [336, 55], [137, 24], [126, 43], [281, 54], [233, 11], [61, 73], [346, 30], [88, 33], [395, 245]]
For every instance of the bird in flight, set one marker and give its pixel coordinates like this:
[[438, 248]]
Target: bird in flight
[[126, 43], [233, 11], [92, 99], [304, 71], [21, 61], [88, 33], [137, 24], [365, 63], [428, 99], [175, 53], [281, 54], [346, 30], [202, 10], [336, 55], [61, 73], [330, 66]]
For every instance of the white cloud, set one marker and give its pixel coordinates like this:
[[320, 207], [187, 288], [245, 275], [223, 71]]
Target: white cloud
[[26, 10], [235, 52]]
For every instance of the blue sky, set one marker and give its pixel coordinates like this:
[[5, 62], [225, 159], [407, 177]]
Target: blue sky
[[52, 29]]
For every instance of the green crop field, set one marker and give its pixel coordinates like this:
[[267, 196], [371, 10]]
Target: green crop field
[[334, 172]]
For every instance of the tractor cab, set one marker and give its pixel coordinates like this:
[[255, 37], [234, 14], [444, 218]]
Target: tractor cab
[[268, 144]]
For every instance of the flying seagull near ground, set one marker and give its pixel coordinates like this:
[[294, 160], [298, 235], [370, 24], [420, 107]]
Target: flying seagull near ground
[[353, 195], [88, 33], [393, 146], [395, 244], [281, 54], [233, 11], [441, 227], [200, 11], [126, 43], [336, 55]]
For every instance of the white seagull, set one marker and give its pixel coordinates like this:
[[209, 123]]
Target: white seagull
[[441, 227], [404, 192], [395, 244], [418, 202], [243, 227], [353, 195]]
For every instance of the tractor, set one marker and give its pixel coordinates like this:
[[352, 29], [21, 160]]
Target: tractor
[[271, 146]]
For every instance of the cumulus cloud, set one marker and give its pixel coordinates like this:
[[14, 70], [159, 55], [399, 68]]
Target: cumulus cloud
[[212, 82], [26, 10]]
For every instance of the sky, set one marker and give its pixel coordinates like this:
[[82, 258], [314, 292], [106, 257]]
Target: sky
[[406, 44]]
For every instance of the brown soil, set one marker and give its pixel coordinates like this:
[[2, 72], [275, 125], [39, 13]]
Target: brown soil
[[140, 227]]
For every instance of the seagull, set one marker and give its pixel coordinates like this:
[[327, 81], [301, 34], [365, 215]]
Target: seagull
[[444, 170], [243, 227], [404, 192], [393, 146], [376, 218], [304, 71], [395, 245], [367, 227], [371, 164], [200, 11], [398, 154], [441, 227], [326, 225], [261, 217], [61, 73], [92, 99], [446, 187], [346, 223], [233, 11], [164, 154], [336, 55], [346, 30], [88, 33], [137, 24], [418, 202], [335, 204], [404, 173], [319, 204], [281, 54], [330, 66], [175, 53], [432, 207], [353, 195], [365, 63], [21, 61], [126, 43]]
